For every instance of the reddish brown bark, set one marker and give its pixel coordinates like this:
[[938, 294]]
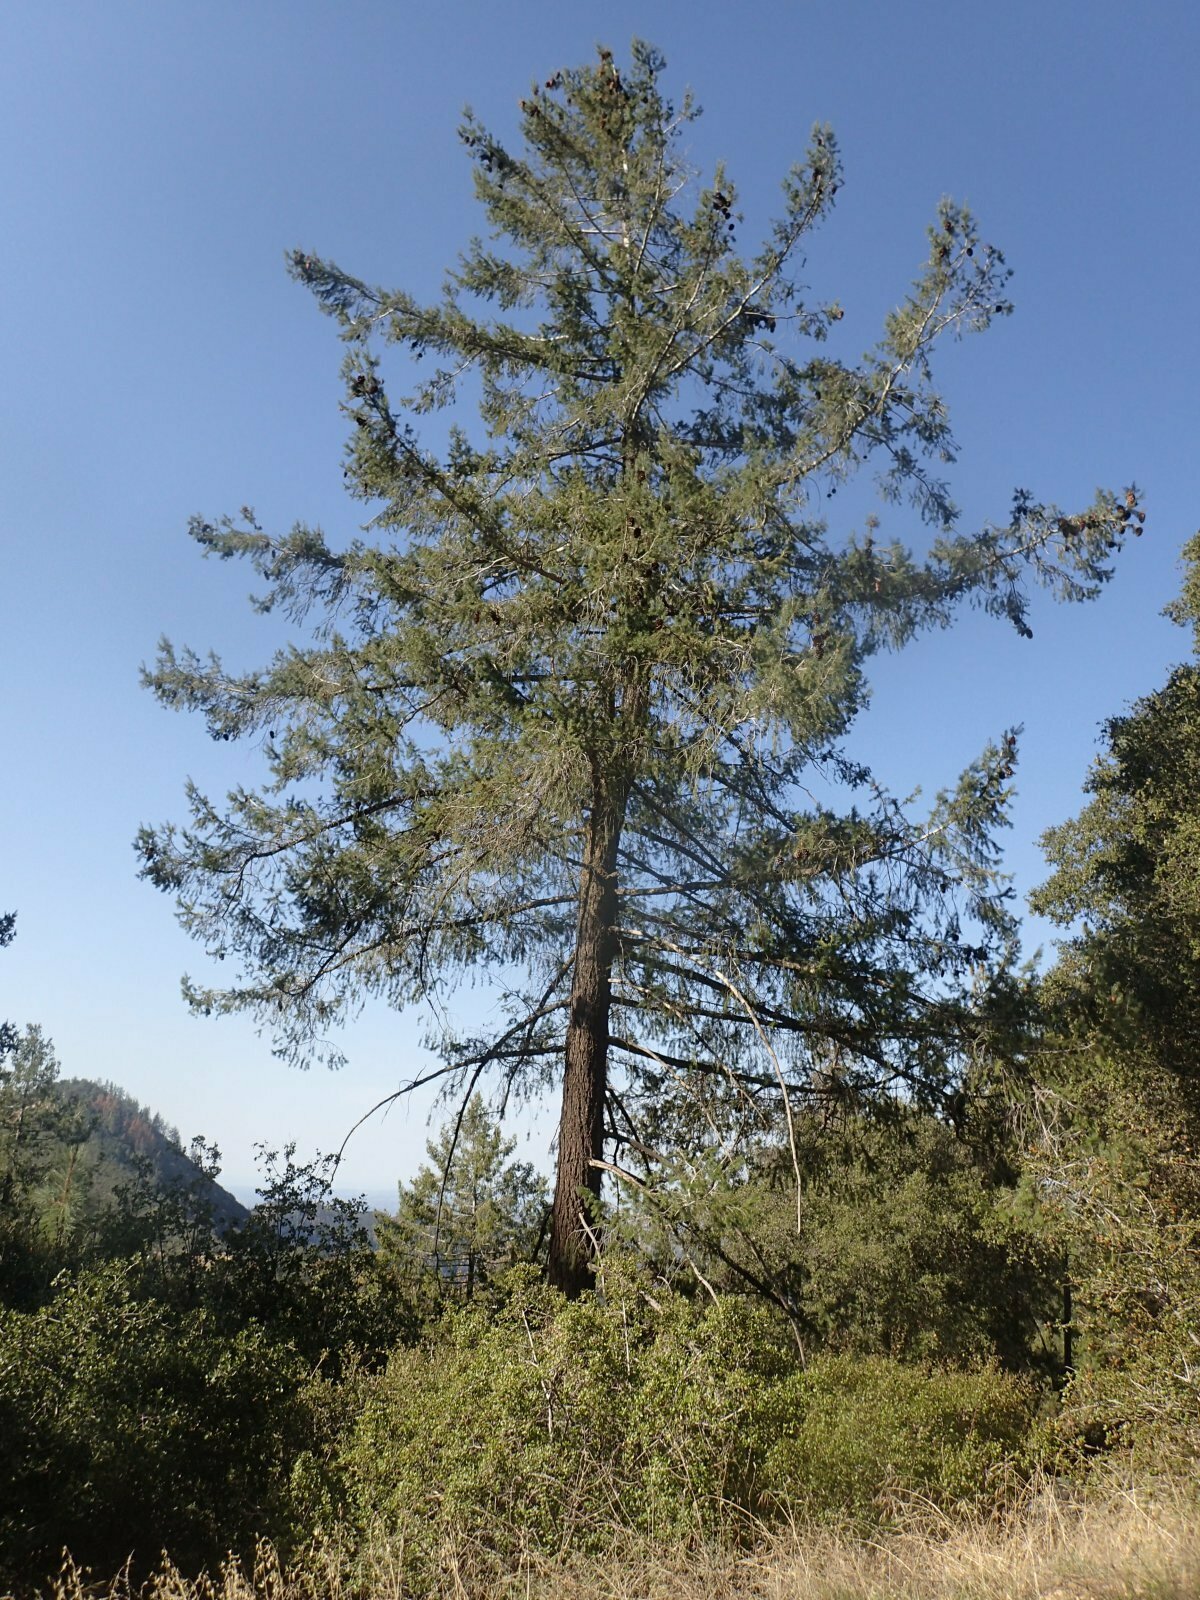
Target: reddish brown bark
[[585, 1075]]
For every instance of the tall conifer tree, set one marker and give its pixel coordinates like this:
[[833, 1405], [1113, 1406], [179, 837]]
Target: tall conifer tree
[[564, 714], [1126, 878], [8, 1032]]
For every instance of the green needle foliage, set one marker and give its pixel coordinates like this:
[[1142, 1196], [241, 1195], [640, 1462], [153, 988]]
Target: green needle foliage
[[1118, 1121], [470, 1213], [564, 714], [46, 1172], [8, 1032], [1126, 874]]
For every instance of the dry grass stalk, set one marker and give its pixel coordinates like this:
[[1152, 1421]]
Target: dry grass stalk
[[1131, 1544]]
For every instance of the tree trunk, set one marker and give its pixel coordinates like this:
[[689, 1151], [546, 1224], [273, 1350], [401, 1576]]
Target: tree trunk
[[581, 1125]]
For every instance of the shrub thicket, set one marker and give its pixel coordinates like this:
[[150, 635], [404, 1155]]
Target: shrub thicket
[[130, 1428], [543, 1424]]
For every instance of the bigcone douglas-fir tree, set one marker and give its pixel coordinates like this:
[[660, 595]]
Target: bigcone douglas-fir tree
[[558, 718]]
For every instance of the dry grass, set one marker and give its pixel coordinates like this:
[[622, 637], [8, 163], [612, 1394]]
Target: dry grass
[[1131, 1544]]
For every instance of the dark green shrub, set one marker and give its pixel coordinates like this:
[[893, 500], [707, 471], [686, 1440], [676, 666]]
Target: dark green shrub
[[856, 1433], [129, 1427], [906, 1243], [550, 1423], [550, 1420], [301, 1265]]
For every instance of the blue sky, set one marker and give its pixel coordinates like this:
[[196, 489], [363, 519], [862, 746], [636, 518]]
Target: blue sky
[[158, 159]]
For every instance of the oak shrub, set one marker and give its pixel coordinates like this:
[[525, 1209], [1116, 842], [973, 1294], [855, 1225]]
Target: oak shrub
[[130, 1428], [540, 1423]]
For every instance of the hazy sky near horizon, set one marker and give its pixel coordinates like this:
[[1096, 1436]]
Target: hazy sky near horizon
[[156, 161]]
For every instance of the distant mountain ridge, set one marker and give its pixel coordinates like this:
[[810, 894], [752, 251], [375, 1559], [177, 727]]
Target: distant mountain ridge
[[123, 1134]]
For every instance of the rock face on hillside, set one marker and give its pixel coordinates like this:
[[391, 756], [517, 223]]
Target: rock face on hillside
[[126, 1140]]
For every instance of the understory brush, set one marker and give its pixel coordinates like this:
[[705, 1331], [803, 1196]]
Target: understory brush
[[1118, 1542], [634, 1437], [540, 1426], [127, 1428]]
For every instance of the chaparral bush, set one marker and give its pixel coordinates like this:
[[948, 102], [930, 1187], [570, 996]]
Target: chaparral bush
[[127, 1428], [545, 1423], [858, 1432]]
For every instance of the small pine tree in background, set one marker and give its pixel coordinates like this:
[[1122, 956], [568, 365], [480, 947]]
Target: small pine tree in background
[[470, 1213], [45, 1176]]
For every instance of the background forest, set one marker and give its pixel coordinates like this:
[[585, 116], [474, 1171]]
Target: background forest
[[853, 1211]]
